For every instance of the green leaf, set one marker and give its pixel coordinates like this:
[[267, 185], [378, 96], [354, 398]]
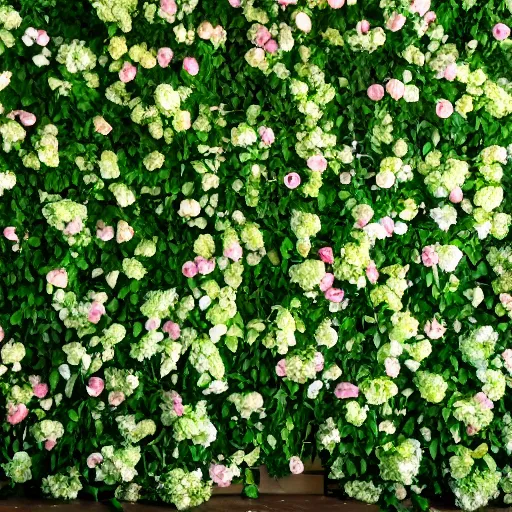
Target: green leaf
[[251, 491], [73, 416], [16, 317], [54, 379], [286, 247]]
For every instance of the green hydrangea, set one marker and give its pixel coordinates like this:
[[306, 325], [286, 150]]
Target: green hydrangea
[[379, 391], [183, 489], [401, 462], [355, 414], [360, 490], [431, 386], [307, 274], [118, 465], [475, 490], [18, 469], [61, 486]]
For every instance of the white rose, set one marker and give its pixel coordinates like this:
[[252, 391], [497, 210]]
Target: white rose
[[385, 179], [189, 208], [449, 257]]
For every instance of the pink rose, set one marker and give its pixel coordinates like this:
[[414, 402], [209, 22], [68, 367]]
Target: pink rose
[[169, 7], [95, 312], [334, 295], [127, 73], [271, 46], [101, 126], [392, 367], [220, 475], [430, 17], [164, 57], [420, 6], [281, 368], [205, 30], [326, 282], [319, 361], [450, 72], [484, 401], [267, 135], [73, 227], [50, 444], [303, 22], [292, 180], [456, 195], [336, 4], [2, 333], [204, 266], [363, 27], [189, 269], [10, 234], [58, 277], [346, 177], [346, 390], [152, 324], [375, 92], [395, 88], [191, 66], [172, 329], [105, 233], [124, 232], [388, 224], [396, 22], [500, 31], [429, 256], [116, 398], [372, 273], [177, 403], [287, 2], [326, 255], [40, 390], [234, 251], [235, 3], [95, 386], [444, 109], [27, 119], [434, 330], [507, 357], [16, 413], [471, 430], [94, 459], [296, 466], [42, 38], [262, 36], [317, 163]]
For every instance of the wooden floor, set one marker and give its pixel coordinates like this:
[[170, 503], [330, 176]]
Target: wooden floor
[[297, 503]]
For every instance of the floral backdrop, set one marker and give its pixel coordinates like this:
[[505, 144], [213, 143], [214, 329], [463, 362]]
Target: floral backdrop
[[245, 232]]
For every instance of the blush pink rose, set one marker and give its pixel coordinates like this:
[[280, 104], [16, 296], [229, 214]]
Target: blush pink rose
[[319, 362], [220, 475], [429, 256], [235, 3], [189, 269], [10, 234], [94, 459], [395, 88], [73, 227], [372, 273], [27, 118], [101, 126], [177, 403], [430, 17], [2, 333], [40, 389], [471, 430], [396, 22], [363, 26], [388, 224], [152, 324], [375, 92], [267, 135], [303, 22], [50, 444], [271, 46], [95, 386], [42, 38], [392, 367], [105, 233], [317, 163], [191, 66], [456, 195], [450, 72], [326, 282], [58, 277], [326, 255], [205, 30], [334, 295], [500, 31], [16, 413], [420, 6], [346, 390], [172, 329], [336, 4], [204, 266], [262, 36], [484, 401], [234, 251], [507, 357], [434, 330], [444, 109], [116, 398], [292, 180], [169, 7], [124, 232], [95, 312], [164, 56], [281, 368], [296, 466], [127, 73]]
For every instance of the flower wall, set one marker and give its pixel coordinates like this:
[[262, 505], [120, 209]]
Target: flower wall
[[249, 232]]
